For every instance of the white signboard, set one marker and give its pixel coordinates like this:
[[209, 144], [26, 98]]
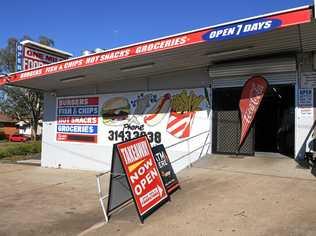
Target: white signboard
[[164, 116], [305, 102]]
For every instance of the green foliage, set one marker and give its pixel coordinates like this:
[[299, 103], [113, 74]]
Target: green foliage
[[22, 104], [7, 56], [15, 149], [2, 136]]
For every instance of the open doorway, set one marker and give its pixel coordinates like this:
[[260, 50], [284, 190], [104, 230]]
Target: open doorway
[[273, 128], [274, 122]]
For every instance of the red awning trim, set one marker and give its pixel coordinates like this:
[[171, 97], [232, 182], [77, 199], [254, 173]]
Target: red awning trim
[[231, 30]]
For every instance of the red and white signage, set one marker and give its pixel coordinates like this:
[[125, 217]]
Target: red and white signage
[[142, 173], [78, 101], [34, 58], [251, 97], [77, 119], [242, 29], [180, 124]]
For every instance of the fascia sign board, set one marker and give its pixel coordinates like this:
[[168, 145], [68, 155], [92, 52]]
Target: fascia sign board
[[230, 31]]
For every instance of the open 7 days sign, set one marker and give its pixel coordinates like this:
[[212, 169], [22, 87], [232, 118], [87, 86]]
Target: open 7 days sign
[[137, 165]]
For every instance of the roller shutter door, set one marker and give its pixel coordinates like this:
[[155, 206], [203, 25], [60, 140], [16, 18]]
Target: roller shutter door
[[276, 71]]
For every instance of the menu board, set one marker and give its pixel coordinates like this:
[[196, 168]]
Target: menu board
[[167, 173], [77, 119]]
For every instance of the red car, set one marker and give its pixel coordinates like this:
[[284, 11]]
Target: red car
[[18, 138]]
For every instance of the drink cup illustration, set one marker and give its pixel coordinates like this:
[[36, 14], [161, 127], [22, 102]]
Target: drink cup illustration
[[179, 124]]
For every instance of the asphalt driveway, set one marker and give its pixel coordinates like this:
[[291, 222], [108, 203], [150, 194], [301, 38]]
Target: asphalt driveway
[[219, 196]]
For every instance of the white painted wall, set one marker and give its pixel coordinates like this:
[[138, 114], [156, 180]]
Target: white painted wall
[[97, 157], [303, 124]]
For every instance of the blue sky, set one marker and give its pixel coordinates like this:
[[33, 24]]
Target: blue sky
[[78, 25]]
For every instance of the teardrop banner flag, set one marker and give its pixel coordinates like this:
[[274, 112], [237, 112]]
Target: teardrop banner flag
[[251, 97]]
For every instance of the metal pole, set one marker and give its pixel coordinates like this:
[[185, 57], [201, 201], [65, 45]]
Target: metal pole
[[101, 199]]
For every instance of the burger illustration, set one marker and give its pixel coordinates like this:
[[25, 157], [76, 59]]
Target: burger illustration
[[115, 110]]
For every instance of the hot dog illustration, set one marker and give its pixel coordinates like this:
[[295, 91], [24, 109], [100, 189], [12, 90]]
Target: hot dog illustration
[[158, 112]]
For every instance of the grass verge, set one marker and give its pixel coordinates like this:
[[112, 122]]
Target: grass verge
[[19, 149]]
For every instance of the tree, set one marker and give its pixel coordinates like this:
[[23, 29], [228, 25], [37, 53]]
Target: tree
[[21, 103], [7, 56], [24, 105]]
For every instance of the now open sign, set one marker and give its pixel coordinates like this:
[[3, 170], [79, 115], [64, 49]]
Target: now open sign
[[142, 173]]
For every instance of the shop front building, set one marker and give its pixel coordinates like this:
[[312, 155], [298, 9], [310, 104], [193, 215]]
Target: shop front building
[[182, 91]]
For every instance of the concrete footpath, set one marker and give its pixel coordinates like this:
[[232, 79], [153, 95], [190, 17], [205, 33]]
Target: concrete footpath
[[219, 196], [42, 201]]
